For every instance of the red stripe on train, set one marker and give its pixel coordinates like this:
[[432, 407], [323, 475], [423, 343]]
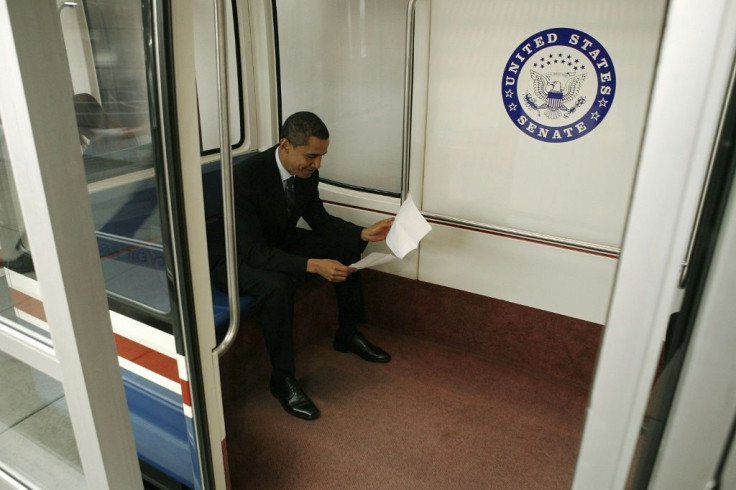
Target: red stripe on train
[[186, 396], [153, 361], [127, 349], [147, 358]]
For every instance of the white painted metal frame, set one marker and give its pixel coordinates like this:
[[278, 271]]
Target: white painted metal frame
[[677, 146], [7, 482], [30, 351], [187, 125], [39, 122], [260, 17]]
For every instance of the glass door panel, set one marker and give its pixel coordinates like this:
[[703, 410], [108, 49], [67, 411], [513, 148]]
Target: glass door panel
[[105, 47], [37, 444], [117, 60]]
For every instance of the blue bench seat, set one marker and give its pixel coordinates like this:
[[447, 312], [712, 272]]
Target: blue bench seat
[[221, 307]]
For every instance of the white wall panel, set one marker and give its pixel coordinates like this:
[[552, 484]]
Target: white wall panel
[[549, 278], [479, 166]]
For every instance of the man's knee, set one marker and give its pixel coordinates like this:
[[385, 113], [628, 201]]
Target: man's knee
[[276, 286]]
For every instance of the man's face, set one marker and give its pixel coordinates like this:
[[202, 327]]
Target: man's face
[[303, 160]]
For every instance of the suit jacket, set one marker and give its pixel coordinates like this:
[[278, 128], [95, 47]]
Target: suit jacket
[[263, 227]]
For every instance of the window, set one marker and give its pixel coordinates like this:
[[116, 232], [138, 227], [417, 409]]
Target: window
[[205, 65], [345, 62]]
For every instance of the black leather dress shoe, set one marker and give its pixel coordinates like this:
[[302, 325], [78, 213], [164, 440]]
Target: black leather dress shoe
[[358, 344], [293, 399]]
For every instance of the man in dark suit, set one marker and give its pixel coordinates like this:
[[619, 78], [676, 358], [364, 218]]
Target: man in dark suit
[[272, 191]]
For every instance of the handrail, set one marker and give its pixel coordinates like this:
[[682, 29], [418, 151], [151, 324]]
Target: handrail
[[408, 94], [226, 166]]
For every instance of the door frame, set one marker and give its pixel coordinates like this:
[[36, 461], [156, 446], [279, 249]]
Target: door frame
[[678, 143], [43, 135], [199, 344]]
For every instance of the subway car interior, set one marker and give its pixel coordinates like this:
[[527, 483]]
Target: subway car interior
[[567, 323]]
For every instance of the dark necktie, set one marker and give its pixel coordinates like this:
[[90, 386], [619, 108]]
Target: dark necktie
[[290, 197]]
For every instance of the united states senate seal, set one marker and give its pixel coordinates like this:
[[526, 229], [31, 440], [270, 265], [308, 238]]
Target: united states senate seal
[[558, 85]]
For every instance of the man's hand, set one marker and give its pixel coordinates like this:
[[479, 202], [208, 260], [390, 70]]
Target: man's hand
[[332, 270], [377, 231]]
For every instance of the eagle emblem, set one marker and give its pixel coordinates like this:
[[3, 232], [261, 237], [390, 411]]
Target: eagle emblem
[[558, 85], [556, 91]]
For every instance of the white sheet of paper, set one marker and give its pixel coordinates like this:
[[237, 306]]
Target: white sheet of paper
[[372, 260], [407, 231]]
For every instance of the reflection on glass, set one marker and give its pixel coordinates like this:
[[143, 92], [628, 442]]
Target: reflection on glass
[[108, 60], [37, 445], [345, 62], [109, 148], [104, 45]]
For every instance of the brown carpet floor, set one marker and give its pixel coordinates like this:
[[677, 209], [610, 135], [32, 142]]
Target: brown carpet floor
[[433, 417]]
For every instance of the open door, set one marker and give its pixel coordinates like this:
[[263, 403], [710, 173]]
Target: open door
[[136, 137]]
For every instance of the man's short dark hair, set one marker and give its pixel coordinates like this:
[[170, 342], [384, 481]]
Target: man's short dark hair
[[301, 125]]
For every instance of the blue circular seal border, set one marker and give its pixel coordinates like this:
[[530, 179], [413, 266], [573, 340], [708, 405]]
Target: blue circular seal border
[[594, 52]]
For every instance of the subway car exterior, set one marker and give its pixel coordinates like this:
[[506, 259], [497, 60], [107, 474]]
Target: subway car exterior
[[575, 160]]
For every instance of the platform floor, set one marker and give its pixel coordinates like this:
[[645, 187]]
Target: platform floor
[[37, 443]]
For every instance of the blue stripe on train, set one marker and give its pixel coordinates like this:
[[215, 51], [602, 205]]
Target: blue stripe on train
[[160, 428]]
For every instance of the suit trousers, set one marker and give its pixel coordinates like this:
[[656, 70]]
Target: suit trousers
[[275, 295]]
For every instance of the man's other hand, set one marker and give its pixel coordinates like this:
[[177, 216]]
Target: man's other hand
[[377, 231], [332, 270]]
